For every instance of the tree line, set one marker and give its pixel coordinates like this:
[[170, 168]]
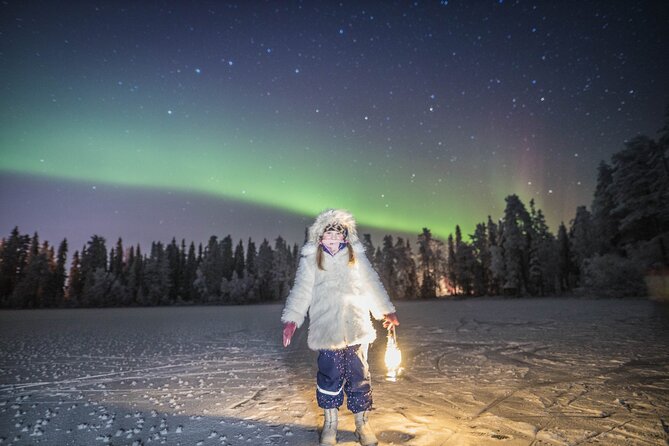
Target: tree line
[[618, 248], [605, 251], [32, 275]]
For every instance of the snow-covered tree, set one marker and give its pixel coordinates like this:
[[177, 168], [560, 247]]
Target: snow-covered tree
[[94, 256], [75, 282], [582, 239], [251, 258], [611, 275], [156, 276], [565, 263], [369, 247], [640, 189], [451, 265], [406, 278], [210, 271], [238, 290], [135, 276], [543, 259], [497, 269], [282, 269], [464, 264], [431, 264], [59, 276], [93, 264], [517, 234], [386, 266], [116, 259], [603, 203], [482, 260], [30, 291]]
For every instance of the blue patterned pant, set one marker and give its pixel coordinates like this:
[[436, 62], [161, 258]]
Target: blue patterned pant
[[340, 371]]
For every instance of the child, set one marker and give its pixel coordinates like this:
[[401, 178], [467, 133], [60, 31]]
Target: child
[[337, 286]]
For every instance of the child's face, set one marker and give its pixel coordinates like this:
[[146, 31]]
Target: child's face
[[332, 239]]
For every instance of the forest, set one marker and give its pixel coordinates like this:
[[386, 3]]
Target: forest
[[616, 248]]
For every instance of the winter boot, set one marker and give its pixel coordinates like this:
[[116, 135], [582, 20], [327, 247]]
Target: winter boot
[[363, 431], [329, 432]]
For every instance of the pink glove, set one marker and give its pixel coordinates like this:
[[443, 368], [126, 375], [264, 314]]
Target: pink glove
[[390, 319], [288, 331]]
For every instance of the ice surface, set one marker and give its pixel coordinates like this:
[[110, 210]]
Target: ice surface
[[477, 372]]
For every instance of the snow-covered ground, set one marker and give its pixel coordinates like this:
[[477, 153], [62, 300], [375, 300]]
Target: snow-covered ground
[[478, 372]]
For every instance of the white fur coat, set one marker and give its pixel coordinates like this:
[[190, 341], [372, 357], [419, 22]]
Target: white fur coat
[[338, 299]]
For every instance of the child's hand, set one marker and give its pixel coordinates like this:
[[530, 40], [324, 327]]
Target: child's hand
[[390, 319], [288, 331]]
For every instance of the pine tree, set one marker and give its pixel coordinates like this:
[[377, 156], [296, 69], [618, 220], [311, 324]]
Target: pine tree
[[451, 265], [182, 286], [386, 267], [412, 275], [59, 275], [210, 271], [431, 264], [251, 258], [75, 285], [481, 266], [251, 276], [93, 265], [466, 266], [604, 222], [640, 188], [565, 267], [123, 294], [136, 287], [543, 257], [116, 262], [157, 276], [239, 260], [101, 289], [30, 291], [517, 235], [95, 254], [190, 274], [369, 247], [281, 269], [581, 238], [464, 263], [497, 270], [228, 262], [265, 289], [174, 267], [407, 281], [13, 261]]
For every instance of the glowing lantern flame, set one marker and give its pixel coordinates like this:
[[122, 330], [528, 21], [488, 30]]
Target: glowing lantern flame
[[393, 355]]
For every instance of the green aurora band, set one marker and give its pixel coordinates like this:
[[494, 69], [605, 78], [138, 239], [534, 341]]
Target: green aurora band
[[302, 176]]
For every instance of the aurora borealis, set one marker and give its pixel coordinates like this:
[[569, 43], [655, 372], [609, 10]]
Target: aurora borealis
[[151, 120]]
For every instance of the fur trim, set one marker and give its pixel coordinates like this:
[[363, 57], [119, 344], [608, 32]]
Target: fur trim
[[330, 216], [309, 248]]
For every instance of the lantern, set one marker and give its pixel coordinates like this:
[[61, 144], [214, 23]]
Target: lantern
[[393, 355]]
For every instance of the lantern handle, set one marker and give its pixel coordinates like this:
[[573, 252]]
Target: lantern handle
[[391, 332]]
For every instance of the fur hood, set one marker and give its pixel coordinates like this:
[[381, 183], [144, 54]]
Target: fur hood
[[330, 216]]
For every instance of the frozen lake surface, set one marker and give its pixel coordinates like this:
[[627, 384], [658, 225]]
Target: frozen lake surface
[[478, 372]]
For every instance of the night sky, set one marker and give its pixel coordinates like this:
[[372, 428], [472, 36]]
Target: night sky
[[148, 120]]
